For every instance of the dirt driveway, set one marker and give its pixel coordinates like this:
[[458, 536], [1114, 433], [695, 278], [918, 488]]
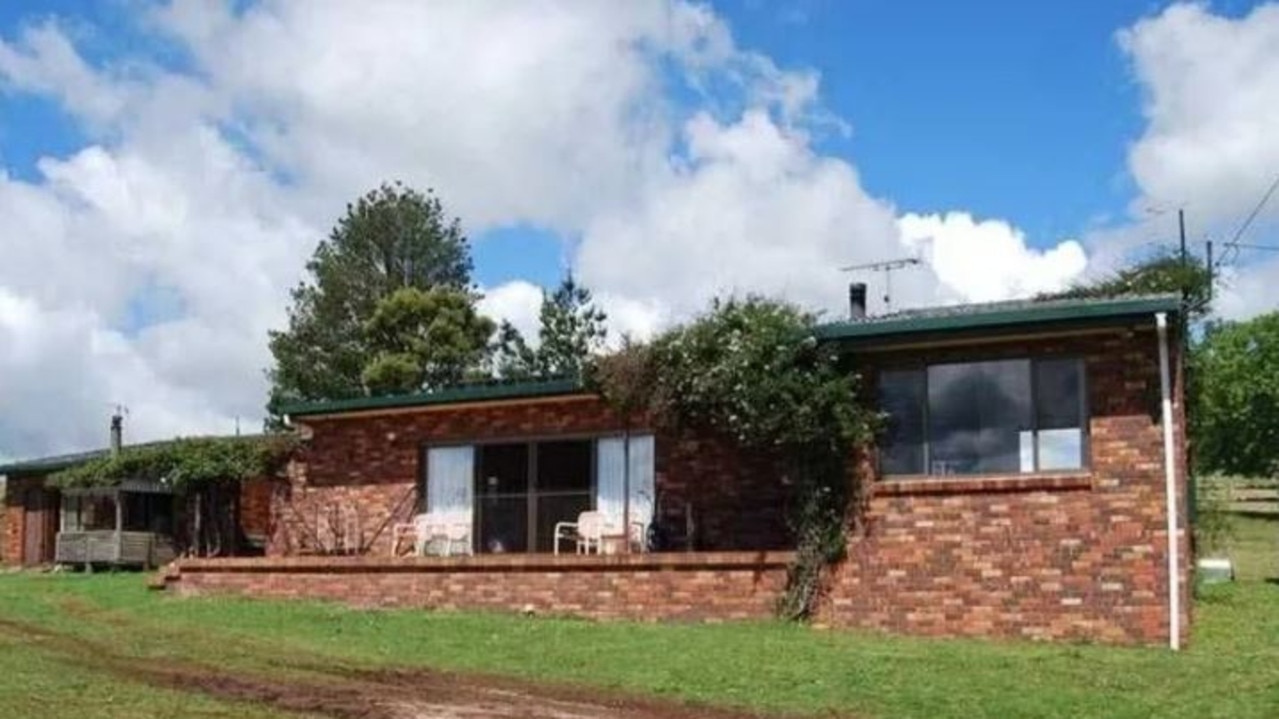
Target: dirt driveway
[[344, 693]]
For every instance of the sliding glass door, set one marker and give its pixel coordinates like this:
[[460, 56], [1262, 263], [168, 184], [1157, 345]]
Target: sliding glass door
[[562, 487], [523, 489], [501, 490], [514, 493]]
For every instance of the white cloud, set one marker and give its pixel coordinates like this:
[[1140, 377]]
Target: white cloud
[[990, 259], [752, 209], [204, 190], [478, 99], [1211, 86], [631, 318], [517, 302], [1212, 94], [44, 60], [62, 370]]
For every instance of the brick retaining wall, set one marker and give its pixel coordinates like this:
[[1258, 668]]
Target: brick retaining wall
[[679, 586]]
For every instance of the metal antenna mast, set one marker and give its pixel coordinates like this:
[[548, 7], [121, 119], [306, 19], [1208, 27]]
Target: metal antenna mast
[[887, 267]]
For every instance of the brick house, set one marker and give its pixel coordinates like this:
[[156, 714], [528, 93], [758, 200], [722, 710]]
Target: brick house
[[1030, 482]]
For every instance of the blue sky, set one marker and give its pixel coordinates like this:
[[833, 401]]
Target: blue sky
[[965, 95], [1008, 109], [167, 168]]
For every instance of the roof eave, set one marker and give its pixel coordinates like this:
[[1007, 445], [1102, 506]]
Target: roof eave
[[1049, 316], [459, 396]]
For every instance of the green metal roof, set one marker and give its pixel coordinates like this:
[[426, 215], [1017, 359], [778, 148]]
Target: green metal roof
[[47, 465], [998, 315], [460, 394]]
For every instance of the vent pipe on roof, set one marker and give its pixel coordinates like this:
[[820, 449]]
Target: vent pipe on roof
[[117, 432], [857, 301]]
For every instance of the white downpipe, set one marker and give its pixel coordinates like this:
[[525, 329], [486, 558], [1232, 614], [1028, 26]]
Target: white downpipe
[[1170, 487]]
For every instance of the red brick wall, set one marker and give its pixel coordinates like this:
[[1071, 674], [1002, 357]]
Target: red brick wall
[[1077, 555], [1081, 555], [11, 551], [700, 586], [18, 518], [255, 508], [357, 475]]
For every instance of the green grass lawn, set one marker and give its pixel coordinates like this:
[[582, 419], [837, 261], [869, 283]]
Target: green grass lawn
[[1231, 668], [1254, 547]]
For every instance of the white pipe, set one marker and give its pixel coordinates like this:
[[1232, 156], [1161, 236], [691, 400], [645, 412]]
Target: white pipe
[[1170, 488]]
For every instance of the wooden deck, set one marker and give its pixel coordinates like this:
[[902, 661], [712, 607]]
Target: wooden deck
[[143, 549]]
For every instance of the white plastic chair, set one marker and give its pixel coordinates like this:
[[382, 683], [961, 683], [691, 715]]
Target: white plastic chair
[[448, 534], [457, 534], [426, 529], [587, 532], [613, 539]]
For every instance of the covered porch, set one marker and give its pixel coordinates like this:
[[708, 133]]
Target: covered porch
[[572, 495], [518, 469], [130, 524]]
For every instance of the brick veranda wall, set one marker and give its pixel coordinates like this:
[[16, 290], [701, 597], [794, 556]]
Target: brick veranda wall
[[1074, 556], [684, 587]]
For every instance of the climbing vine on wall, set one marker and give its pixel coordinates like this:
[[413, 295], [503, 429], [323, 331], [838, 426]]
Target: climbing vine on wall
[[750, 369], [184, 464]]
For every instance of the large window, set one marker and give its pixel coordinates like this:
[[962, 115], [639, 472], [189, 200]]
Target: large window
[[995, 417]]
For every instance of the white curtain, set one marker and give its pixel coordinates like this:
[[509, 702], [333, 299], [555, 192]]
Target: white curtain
[[610, 480], [450, 488]]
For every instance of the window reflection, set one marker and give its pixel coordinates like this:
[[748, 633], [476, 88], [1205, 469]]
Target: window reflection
[[993, 417]]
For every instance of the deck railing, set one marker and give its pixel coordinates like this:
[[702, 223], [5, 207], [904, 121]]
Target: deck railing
[[145, 549]]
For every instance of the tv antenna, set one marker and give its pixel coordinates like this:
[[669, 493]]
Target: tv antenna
[[887, 267]]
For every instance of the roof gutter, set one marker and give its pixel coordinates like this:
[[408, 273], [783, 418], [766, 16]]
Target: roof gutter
[[1079, 312], [1170, 486]]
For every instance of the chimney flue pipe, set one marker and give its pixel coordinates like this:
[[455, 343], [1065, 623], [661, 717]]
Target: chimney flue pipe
[[117, 433], [857, 301]]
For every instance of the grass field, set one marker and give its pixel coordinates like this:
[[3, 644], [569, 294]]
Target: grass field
[[104, 646], [90, 646], [1254, 547]]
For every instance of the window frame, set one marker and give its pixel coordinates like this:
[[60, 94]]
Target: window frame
[[1085, 410]]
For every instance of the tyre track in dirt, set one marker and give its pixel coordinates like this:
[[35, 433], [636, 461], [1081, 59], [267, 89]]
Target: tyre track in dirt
[[344, 692]]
